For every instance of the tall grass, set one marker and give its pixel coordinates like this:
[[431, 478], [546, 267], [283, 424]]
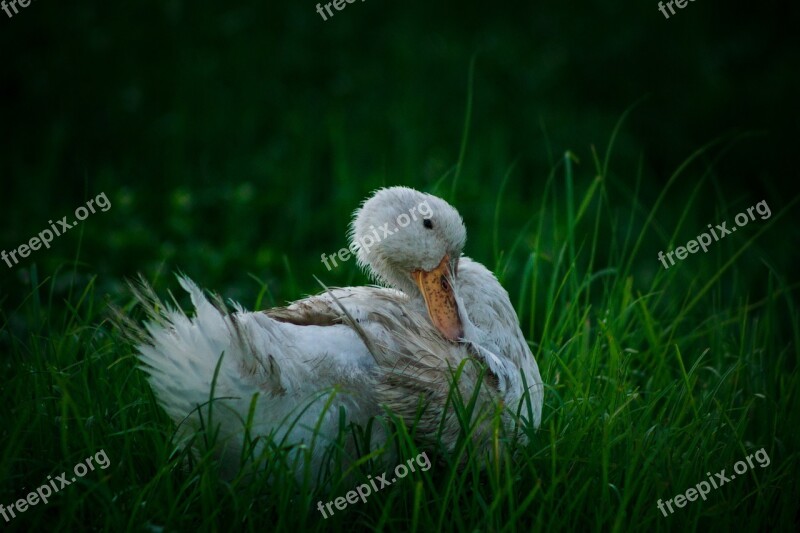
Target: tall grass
[[654, 377]]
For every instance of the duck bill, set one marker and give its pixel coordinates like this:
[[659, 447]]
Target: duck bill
[[436, 287]]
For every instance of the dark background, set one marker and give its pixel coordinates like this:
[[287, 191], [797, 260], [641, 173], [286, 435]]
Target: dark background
[[236, 138], [234, 142]]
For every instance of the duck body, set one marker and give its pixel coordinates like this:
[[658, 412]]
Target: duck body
[[299, 375], [288, 373]]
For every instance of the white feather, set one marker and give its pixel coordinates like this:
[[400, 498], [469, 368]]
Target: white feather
[[290, 360]]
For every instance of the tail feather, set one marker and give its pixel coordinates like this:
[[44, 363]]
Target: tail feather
[[180, 355], [285, 366]]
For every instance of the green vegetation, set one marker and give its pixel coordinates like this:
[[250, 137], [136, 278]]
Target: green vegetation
[[234, 142]]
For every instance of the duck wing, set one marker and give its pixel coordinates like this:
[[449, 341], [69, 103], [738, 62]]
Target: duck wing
[[498, 340], [286, 372]]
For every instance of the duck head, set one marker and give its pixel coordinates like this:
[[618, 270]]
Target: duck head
[[412, 241]]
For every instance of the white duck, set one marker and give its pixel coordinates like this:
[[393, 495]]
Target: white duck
[[297, 366]]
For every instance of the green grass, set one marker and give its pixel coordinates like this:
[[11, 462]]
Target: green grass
[[234, 141], [654, 378]]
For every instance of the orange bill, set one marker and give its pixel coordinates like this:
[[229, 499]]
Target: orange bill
[[437, 290]]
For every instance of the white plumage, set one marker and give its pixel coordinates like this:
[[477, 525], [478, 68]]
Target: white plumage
[[298, 366]]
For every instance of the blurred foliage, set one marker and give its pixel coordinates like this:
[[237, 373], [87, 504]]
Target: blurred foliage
[[238, 138], [234, 141]]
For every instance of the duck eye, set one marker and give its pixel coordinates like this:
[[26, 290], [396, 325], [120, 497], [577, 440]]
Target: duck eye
[[428, 223]]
